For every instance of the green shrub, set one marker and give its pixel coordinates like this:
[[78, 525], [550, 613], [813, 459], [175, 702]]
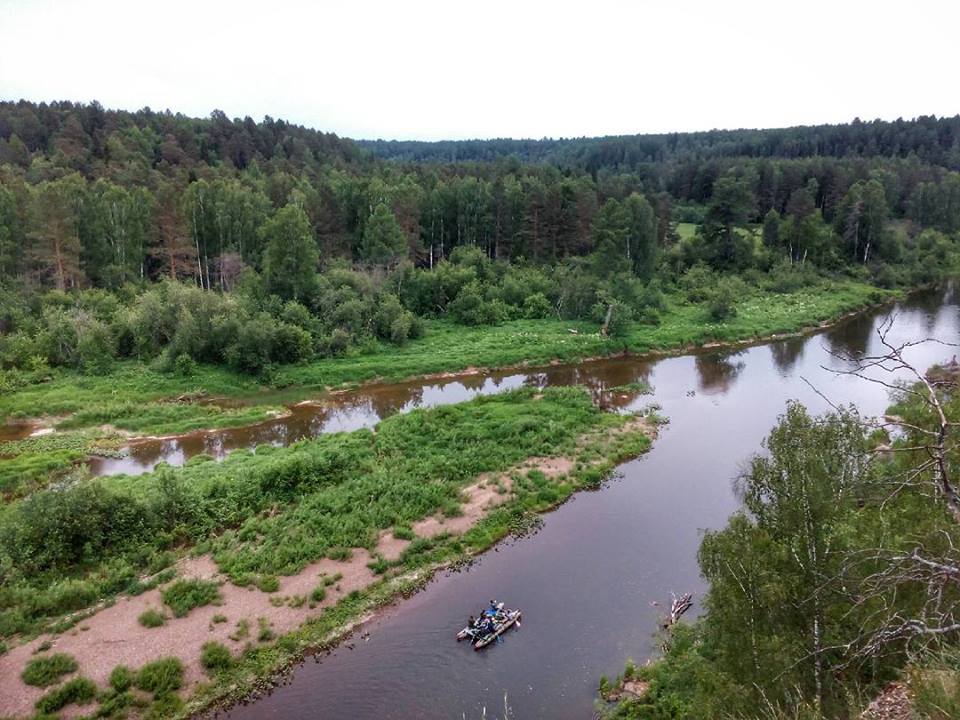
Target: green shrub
[[218, 618], [151, 618], [185, 595], [121, 678], [268, 583], [76, 692], [44, 671], [161, 676], [164, 707], [318, 594], [403, 532], [215, 656], [184, 365]]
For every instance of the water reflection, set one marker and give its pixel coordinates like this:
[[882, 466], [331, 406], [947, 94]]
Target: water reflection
[[786, 353], [717, 372]]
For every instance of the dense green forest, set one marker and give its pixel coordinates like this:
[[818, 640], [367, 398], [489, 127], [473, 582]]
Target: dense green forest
[[115, 227]]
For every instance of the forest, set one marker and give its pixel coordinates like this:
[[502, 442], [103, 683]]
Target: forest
[[254, 245]]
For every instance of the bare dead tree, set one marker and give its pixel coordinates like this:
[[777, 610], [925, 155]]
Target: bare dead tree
[[935, 443]]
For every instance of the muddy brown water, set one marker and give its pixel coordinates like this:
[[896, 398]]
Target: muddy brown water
[[594, 581]]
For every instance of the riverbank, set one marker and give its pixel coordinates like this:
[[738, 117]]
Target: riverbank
[[460, 478], [137, 401]]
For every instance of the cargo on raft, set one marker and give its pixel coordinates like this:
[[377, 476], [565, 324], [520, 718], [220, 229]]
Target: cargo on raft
[[492, 623]]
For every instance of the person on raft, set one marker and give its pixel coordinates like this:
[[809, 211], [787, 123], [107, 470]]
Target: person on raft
[[489, 627], [492, 610]]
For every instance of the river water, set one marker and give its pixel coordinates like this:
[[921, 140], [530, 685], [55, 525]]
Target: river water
[[594, 581]]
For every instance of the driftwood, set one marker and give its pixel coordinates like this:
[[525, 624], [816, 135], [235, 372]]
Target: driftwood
[[677, 608]]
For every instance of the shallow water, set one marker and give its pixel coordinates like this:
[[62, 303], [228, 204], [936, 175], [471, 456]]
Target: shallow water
[[594, 581]]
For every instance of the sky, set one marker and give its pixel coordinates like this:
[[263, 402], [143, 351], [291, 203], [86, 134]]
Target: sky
[[413, 69]]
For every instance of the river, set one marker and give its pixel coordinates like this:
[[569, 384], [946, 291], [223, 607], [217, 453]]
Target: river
[[594, 581]]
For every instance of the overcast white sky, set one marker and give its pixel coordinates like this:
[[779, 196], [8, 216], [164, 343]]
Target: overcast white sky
[[456, 69]]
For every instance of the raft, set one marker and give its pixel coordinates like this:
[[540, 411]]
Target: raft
[[513, 616]]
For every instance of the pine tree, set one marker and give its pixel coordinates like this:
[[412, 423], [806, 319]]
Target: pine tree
[[53, 241]]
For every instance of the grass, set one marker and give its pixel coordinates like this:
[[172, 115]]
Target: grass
[[160, 677], [185, 595], [45, 671], [122, 678], [151, 618], [215, 656], [78, 691]]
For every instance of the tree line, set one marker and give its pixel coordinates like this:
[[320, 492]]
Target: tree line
[[99, 199]]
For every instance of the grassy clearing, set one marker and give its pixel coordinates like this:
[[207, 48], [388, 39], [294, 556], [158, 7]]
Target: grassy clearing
[[130, 397]]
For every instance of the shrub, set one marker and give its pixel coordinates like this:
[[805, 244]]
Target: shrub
[[215, 656], [218, 618], [268, 583], [722, 299], [318, 594], [161, 676], [78, 691], [151, 618], [184, 365], [121, 678], [537, 307], [185, 595], [44, 671]]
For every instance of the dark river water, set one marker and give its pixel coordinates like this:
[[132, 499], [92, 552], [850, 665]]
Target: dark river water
[[587, 582]]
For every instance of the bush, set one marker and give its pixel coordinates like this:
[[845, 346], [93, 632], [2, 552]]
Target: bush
[[161, 676], [268, 583], [184, 365], [537, 307], [215, 656], [697, 282], [318, 594], [82, 524], [185, 595], [722, 299], [45, 671], [151, 618], [78, 691], [121, 678]]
